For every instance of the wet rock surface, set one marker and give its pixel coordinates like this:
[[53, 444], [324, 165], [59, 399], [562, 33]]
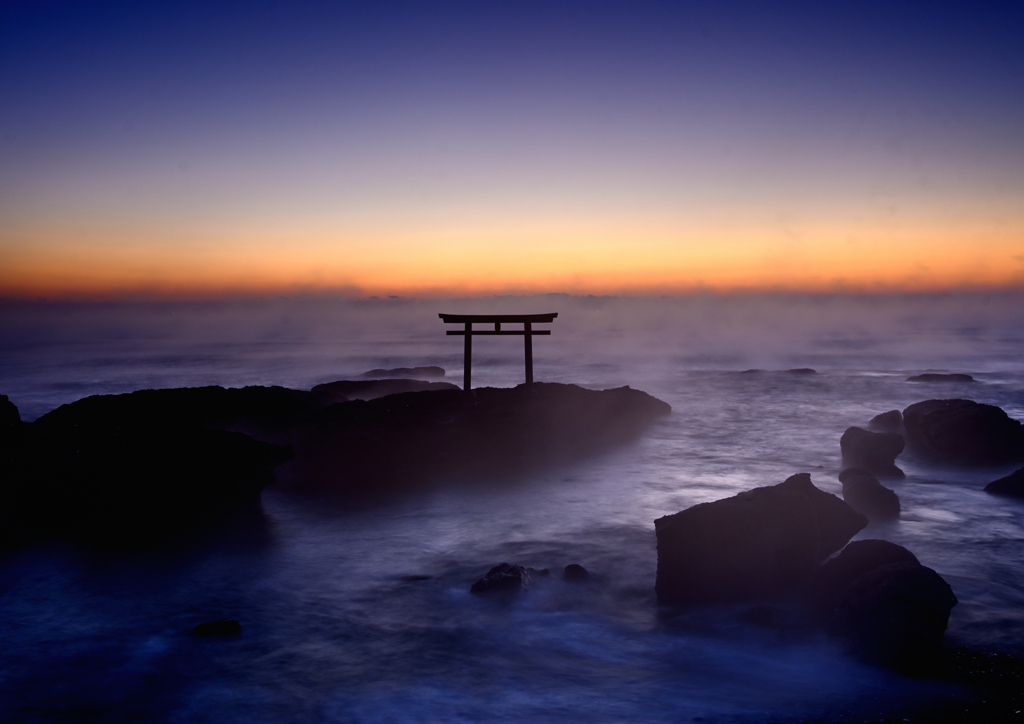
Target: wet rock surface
[[750, 545], [1011, 486], [963, 432], [883, 605], [891, 421], [148, 462], [504, 578], [875, 452], [863, 493], [575, 573]]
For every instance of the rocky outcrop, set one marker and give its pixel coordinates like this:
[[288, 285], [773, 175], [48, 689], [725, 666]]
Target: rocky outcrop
[[884, 605], [575, 573], [874, 452], [891, 421], [863, 493], [963, 432], [504, 578], [415, 373], [345, 390], [9, 415], [750, 545], [939, 377], [358, 448], [1011, 486]]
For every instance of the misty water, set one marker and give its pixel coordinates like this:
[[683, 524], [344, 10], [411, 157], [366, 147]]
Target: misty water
[[365, 615]]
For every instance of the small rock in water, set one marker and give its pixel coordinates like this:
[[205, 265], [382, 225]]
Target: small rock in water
[[891, 421], [221, 627], [802, 371], [504, 578], [937, 377], [575, 573], [875, 452], [863, 493], [1012, 485]]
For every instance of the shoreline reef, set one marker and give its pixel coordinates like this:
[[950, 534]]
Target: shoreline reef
[[119, 468]]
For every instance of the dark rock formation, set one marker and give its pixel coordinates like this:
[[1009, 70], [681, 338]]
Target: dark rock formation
[[9, 415], [1012, 485], [872, 451], [344, 390], [802, 371], [891, 421], [221, 627], [368, 448], [505, 578], [863, 493], [752, 544], [884, 605], [937, 377], [895, 616], [416, 373], [154, 461], [829, 583], [575, 573], [963, 432]]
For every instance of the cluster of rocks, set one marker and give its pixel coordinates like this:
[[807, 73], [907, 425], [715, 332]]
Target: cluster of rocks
[[513, 579], [156, 461], [875, 597]]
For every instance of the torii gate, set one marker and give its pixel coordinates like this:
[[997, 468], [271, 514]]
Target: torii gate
[[527, 320]]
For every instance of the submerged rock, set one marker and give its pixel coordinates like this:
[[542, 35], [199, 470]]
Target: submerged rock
[[1012, 485], [874, 452], [506, 578], [863, 493], [891, 421], [752, 544], [939, 377], [963, 432], [221, 627], [575, 573], [886, 607]]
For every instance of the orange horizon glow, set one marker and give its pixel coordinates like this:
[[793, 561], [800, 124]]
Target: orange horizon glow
[[566, 257]]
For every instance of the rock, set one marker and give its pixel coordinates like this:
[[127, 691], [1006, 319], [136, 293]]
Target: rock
[[894, 616], [8, 413], [937, 377], [863, 493], [504, 578], [373, 448], [891, 421], [575, 573], [872, 451], [417, 373], [831, 580], [750, 545], [802, 371], [1012, 485], [222, 627], [963, 432], [344, 390]]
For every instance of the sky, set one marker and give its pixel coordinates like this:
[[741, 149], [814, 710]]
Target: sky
[[188, 149]]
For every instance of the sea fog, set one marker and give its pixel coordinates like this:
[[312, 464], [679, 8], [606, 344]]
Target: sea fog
[[365, 615]]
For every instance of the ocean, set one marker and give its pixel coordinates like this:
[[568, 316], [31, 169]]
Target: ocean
[[364, 614]]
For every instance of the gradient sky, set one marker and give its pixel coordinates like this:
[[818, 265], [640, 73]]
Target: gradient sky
[[457, 148]]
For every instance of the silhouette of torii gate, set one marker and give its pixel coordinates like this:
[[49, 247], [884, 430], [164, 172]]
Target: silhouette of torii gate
[[527, 320]]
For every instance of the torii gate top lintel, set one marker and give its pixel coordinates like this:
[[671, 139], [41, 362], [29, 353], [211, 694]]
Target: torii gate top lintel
[[527, 320]]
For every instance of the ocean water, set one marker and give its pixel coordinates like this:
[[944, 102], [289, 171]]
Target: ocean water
[[365, 615]]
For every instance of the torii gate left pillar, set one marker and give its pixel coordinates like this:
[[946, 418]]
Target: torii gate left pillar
[[528, 332]]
